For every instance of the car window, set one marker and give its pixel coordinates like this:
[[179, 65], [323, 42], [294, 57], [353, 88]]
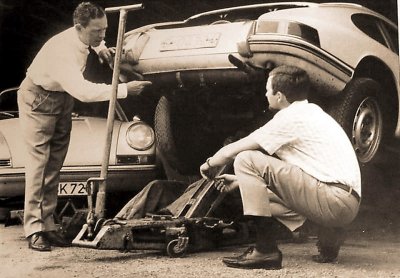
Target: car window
[[8, 100], [290, 28], [9, 107], [97, 109], [369, 25], [238, 13], [91, 109], [8, 104], [393, 35]]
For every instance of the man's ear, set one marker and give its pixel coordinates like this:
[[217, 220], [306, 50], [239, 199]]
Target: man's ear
[[281, 97], [78, 27]]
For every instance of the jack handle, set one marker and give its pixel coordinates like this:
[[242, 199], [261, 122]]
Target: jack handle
[[91, 186], [126, 8], [101, 193]]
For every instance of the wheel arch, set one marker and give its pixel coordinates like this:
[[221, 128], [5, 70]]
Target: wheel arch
[[377, 70]]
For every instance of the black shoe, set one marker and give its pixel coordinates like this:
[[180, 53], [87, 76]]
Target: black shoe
[[56, 239], [271, 260], [329, 242], [38, 242], [327, 254]]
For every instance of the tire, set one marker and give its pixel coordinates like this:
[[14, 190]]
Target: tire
[[181, 139], [165, 138], [359, 110]]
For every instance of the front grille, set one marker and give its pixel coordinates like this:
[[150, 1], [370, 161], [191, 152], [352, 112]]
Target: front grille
[[5, 162]]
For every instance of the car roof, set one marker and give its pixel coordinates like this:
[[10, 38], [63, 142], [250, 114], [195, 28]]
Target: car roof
[[259, 9], [255, 7]]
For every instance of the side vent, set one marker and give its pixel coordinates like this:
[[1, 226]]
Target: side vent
[[5, 162]]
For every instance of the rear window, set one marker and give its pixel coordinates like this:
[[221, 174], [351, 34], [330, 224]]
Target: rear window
[[251, 12]]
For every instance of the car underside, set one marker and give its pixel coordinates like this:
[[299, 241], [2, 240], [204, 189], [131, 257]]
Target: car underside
[[209, 75]]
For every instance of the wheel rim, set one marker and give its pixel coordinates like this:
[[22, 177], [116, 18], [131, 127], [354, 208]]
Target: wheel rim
[[367, 129]]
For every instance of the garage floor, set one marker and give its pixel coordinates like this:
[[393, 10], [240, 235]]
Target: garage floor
[[372, 248]]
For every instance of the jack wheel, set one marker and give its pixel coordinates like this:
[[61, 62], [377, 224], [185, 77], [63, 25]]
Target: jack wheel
[[177, 248]]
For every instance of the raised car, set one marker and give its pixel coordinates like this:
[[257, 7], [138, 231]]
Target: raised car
[[210, 73], [132, 161]]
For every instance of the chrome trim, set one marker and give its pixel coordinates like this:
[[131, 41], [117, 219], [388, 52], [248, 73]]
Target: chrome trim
[[254, 6], [13, 172], [318, 52]]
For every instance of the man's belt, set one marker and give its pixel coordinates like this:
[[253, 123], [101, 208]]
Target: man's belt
[[28, 84], [346, 188]]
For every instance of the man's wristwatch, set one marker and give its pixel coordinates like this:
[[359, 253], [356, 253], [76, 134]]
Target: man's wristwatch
[[208, 162]]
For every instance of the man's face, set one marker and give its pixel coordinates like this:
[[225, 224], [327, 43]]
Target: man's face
[[94, 33], [271, 96]]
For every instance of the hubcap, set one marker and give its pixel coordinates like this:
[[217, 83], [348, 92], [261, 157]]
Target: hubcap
[[367, 129]]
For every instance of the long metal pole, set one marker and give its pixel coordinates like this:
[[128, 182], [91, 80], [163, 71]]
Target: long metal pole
[[101, 194]]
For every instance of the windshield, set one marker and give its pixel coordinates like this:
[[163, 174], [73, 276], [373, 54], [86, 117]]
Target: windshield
[[9, 107]]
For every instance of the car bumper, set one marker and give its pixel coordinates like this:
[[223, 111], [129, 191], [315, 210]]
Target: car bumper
[[329, 74], [119, 178]]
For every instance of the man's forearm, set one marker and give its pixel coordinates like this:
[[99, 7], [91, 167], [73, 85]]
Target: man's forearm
[[220, 158]]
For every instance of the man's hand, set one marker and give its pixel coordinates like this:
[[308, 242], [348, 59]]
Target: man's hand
[[226, 183], [107, 55], [136, 87], [206, 171]]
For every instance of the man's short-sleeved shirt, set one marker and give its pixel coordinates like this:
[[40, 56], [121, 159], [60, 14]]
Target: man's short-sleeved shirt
[[304, 135]]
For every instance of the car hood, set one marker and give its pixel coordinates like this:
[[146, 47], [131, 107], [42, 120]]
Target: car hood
[[86, 145]]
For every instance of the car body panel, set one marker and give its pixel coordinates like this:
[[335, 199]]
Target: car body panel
[[84, 156], [331, 39]]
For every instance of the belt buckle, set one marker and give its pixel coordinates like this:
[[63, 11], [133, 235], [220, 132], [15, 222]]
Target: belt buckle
[[350, 190]]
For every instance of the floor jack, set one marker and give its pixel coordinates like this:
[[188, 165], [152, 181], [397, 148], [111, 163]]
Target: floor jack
[[192, 228], [189, 230]]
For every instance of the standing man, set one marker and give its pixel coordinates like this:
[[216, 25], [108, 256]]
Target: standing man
[[298, 165], [45, 100]]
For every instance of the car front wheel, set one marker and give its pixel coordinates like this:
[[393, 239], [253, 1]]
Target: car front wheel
[[359, 111]]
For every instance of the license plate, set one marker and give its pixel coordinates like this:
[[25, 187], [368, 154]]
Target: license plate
[[74, 188], [190, 42]]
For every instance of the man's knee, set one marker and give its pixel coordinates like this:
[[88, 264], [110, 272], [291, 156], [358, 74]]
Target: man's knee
[[243, 159], [252, 159]]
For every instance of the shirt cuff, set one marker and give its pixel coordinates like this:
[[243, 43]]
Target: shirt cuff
[[100, 47], [122, 91]]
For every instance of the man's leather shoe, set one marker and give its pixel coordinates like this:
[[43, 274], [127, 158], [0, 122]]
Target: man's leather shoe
[[329, 243], [38, 242], [56, 240], [327, 254], [248, 260]]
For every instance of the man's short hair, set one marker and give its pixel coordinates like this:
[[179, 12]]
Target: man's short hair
[[291, 81], [87, 11]]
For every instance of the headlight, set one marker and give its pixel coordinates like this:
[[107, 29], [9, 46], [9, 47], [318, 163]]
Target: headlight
[[140, 136]]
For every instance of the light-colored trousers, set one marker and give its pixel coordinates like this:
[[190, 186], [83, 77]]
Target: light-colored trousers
[[271, 187], [45, 119]]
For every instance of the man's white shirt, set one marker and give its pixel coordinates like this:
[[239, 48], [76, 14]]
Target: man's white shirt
[[59, 66], [304, 135]]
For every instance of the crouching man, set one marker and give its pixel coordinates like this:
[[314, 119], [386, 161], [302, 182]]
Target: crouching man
[[300, 165]]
